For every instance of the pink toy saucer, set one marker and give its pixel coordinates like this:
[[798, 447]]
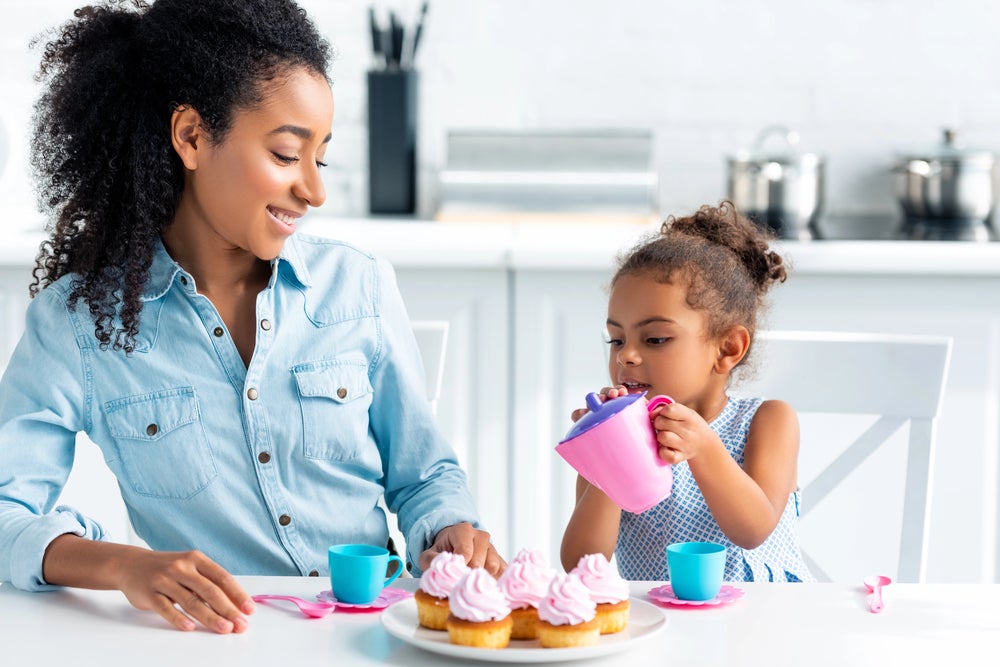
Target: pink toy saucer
[[388, 596], [666, 595]]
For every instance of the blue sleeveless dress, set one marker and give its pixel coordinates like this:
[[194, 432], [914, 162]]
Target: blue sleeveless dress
[[641, 551]]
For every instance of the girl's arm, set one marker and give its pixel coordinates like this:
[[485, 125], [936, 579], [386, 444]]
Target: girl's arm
[[746, 502], [593, 528]]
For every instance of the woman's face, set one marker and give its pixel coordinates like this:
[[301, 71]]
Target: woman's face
[[249, 190], [658, 342]]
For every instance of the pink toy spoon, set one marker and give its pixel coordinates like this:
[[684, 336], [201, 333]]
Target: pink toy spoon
[[874, 585], [310, 609]]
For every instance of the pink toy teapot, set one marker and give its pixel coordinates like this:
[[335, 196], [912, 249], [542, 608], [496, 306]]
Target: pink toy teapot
[[614, 448]]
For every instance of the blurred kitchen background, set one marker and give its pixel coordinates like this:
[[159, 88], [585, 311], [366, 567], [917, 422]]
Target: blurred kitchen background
[[656, 96], [862, 81]]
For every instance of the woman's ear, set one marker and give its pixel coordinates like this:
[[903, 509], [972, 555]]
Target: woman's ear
[[732, 348], [187, 135]]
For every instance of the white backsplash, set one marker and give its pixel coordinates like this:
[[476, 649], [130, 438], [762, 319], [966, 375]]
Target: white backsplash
[[862, 80]]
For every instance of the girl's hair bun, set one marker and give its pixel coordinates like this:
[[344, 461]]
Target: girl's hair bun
[[725, 226]]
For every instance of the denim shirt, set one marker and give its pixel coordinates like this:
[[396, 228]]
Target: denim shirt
[[261, 467]]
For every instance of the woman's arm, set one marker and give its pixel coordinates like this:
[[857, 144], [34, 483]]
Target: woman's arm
[[153, 580], [746, 502]]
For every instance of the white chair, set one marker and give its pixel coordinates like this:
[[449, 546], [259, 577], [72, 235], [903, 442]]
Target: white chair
[[899, 380], [432, 339]]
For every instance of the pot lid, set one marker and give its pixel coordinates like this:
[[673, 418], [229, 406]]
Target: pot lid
[[952, 150], [777, 143], [600, 412]]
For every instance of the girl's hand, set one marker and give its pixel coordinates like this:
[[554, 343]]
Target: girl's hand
[[682, 433], [606, 395], [204, 591]]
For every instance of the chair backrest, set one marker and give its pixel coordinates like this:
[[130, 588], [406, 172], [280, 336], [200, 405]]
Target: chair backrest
[[432, 339], [896, 381]]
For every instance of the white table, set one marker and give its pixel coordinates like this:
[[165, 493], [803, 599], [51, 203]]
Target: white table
[[772, 625]]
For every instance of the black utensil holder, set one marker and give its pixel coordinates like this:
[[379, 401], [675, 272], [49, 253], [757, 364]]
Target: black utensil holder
[[392, 141]]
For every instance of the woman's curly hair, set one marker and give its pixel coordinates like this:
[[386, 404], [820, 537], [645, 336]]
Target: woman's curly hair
[[107, 174], [722, 256]]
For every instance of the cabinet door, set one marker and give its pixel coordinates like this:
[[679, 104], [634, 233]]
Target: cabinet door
[[559, 356], [473, 408]]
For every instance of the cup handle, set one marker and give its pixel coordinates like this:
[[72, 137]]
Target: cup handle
[[399, 570], [657, 401]]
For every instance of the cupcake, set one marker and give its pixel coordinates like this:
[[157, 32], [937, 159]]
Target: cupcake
[[525, 583], [567, 617], [435, 586], [480, 615], [607, 589]]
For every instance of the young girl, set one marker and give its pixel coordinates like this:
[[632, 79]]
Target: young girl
[[255, 392], [681, 317]]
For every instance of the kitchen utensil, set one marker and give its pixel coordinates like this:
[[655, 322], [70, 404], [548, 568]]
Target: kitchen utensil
[[874, 585], [949, 182], [779, 187], [614, 448], [310, 609]]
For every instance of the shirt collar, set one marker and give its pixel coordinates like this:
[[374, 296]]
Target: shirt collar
[[163, 270]]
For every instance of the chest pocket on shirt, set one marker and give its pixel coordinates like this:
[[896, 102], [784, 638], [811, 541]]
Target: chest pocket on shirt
[[334, 398], [161, 443]]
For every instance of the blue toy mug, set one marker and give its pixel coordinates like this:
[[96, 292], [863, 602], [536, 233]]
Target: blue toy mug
[[696, 569], [358, 572]]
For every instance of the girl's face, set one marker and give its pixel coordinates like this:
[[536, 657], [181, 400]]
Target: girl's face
[[659, 343], [249, 191]]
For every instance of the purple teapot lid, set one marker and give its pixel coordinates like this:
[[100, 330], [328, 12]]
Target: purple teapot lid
[[600, 412]]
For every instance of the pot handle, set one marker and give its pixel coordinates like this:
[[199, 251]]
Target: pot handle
[[790, 137]]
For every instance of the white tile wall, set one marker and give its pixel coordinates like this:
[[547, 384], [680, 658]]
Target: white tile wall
[[861, 79]]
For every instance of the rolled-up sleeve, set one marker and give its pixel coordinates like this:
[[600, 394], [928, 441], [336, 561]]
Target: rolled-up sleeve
[[424, 483], [42, 408]]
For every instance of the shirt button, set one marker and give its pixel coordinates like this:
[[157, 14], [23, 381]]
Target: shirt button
[[342, 393], [284, 519], [218, 332], [151, 430], [265, 325], [314, 573], [263, 457], [252, 394]]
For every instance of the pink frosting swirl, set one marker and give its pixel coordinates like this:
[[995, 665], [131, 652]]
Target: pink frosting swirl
[[445, 571], [600, 579], [477, 598], [567, 602], [525, 584], [532, 556]]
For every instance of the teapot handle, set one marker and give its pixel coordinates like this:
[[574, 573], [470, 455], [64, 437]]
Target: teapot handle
[[657, 401]]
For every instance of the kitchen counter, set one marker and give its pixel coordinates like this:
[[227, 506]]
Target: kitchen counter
[[411, 243]]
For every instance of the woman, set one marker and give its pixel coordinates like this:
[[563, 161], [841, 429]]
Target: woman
[[254, 391]]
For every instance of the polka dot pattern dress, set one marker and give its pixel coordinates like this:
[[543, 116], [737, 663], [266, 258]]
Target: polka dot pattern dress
[[641, 552]]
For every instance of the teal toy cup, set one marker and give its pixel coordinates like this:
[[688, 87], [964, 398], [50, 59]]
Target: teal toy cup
[[358, 572], [696, 569]]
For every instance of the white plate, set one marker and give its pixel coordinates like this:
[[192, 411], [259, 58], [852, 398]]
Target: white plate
[[644, 621]]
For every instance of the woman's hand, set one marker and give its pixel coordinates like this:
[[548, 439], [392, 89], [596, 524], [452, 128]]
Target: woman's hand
[[159, 581], [162, 581], [606, 395], [473, 544], [682, 434]]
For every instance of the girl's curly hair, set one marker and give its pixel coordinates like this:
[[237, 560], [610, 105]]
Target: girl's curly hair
[[722, 256], [108, 177]]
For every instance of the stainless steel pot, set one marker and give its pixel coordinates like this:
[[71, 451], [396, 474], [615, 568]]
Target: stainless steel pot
[[948, 183], [781, 188]]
